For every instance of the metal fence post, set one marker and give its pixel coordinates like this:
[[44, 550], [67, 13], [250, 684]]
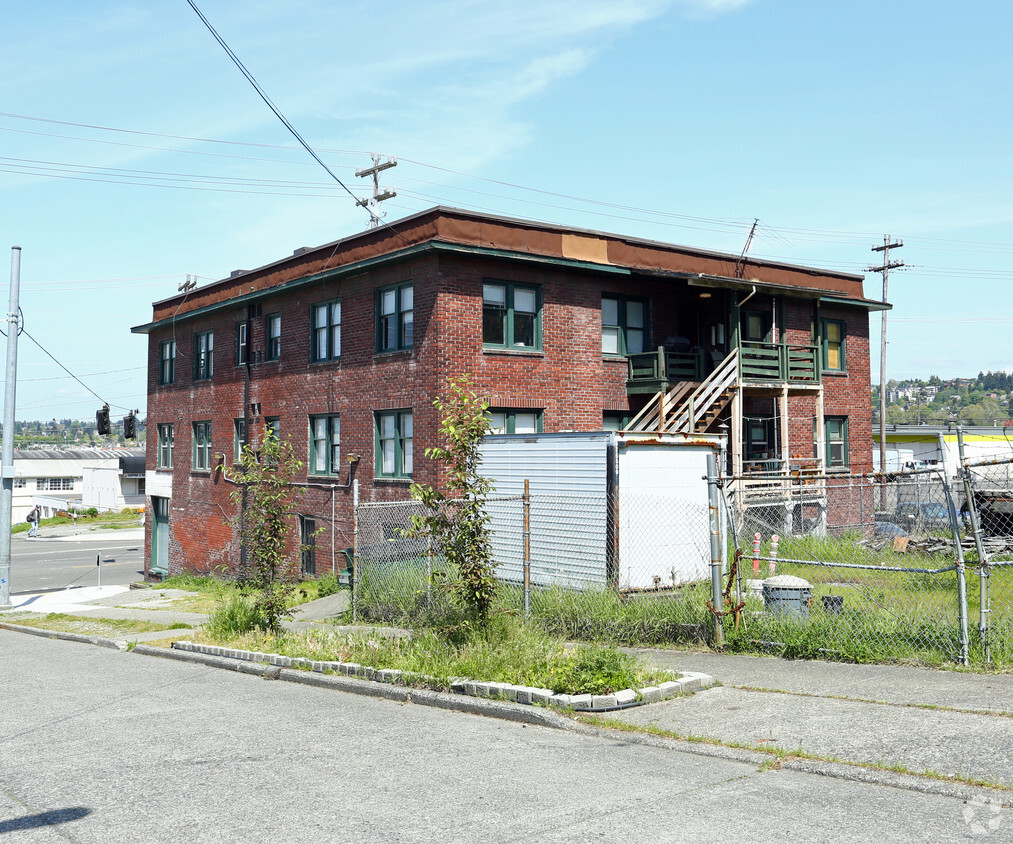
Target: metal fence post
[[713, 500], [985, 601], [965, 657], [527, 549], [354, 576]]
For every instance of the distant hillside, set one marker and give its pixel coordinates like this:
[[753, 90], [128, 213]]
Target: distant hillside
[[983, 400]]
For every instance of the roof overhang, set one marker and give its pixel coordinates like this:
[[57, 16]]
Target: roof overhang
[[359, 267], [745, 285]]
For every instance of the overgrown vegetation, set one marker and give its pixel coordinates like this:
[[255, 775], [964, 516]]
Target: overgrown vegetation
[[455, 516], [267, 501], [90, 519], [505, 651]]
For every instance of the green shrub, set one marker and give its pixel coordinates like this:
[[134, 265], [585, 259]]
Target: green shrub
[[327, 584], [234, 616], [592, 669]]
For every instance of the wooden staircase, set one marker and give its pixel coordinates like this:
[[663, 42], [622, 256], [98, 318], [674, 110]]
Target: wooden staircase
[[690, 407]]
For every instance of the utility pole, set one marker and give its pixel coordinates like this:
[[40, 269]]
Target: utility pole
[[373, 202], [7, 449], [884, 268]]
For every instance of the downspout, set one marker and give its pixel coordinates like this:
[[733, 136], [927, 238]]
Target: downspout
[[246, 433]]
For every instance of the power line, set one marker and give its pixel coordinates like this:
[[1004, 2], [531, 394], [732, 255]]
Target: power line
[[71, 374], [267, 100]]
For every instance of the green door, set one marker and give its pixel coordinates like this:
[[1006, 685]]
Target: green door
[[160, 535]]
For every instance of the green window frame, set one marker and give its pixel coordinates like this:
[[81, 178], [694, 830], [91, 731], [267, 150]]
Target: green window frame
[[511, 421], [163, 456], [308, 544], [756, 326], [272, 425], [833, 334], [203, 355], [242, 344], [623, 325], [835, 434], [239, 439], [202, 445], [394, 438], [511, 315], [325, 445], [272, 337], [325, 319], [166, 362], [395, 317]]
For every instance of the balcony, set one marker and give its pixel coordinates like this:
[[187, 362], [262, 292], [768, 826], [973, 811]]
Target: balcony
[[765, 364]]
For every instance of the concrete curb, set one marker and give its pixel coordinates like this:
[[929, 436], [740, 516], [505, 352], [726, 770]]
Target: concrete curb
[[115, 644], [401, 694]]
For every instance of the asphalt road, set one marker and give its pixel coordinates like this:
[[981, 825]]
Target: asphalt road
[[46, 563], [98, 745]]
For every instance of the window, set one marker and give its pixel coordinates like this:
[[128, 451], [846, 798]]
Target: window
[[836, 431], [166, 362], [272, 337], [623, 325], [20, 483], [395, 318], [201, 445], [203, 355], [239, 438], [242, 347], [755, 326], [54, 484], [326, 331], [615, 420], [163, 457], [833, 345], [272, 424], [325, 445], [515, 421], [394, 444], [511, 316]]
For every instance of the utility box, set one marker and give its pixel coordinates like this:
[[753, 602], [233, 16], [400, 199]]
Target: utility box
[[607, 509], [787, 595]]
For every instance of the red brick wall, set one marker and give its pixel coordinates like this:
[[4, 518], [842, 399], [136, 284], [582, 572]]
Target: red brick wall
[[568, 379]]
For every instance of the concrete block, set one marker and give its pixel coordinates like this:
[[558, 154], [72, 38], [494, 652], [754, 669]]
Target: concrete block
[[581, 701], [523, 694], [318, 666], [368, 672], [458, 686], [625, 696], [470, 688], [483, 689], [541, 695], [561, 701], [603, 701], [509, 692], [670, 689], [651, 694]]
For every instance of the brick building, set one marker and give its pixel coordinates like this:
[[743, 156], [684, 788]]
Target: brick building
[[342, 348]]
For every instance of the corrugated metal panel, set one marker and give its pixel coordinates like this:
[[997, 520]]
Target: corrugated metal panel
[[567, 475]]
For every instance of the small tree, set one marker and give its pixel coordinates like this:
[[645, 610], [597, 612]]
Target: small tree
[[456, 517], [267, 499]]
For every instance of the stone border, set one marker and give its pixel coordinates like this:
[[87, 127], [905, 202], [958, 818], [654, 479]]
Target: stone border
[[689, 682]]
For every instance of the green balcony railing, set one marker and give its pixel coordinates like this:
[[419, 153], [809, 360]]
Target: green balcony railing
[[653, 371]]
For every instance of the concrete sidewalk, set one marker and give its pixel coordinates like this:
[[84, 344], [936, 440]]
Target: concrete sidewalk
[[916, 719]]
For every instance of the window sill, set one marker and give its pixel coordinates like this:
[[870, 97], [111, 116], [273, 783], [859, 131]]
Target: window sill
[[385, 480], [200, 473], [388, 353], [524, 353], [838, 470], [324, 362], [835, 373]]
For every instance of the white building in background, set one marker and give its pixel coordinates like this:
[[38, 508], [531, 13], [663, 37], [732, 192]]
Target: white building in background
[[54, 479]]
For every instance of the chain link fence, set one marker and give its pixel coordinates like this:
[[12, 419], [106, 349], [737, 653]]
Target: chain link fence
[[838, 566]]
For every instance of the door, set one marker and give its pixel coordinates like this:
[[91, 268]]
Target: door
[[160, 535], [308, 544]]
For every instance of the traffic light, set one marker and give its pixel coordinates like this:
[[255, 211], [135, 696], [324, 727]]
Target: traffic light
[[102, 421], [129, 426]]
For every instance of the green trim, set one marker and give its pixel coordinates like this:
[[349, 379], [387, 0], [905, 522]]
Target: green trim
[[841, 421], [165, 441], [166, 363], [825, 345], [509, 314], [330, 354], [204, 448], [865, 304], [331, 437], [359, 267], [269, 340], [623, 326], [401, 342], [400, 417], [510, 418]]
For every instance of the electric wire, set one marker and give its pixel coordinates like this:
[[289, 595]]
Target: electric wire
[[25, 331]]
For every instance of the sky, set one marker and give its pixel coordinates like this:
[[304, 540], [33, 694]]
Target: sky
[[133, 152]]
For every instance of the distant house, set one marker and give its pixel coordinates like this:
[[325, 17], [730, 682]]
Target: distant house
[[53, 479], [911, 446], [112, 488], [341, 349]]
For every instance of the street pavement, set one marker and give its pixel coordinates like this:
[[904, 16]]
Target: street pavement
[[100, 745], [64, 555], [856, 721]]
